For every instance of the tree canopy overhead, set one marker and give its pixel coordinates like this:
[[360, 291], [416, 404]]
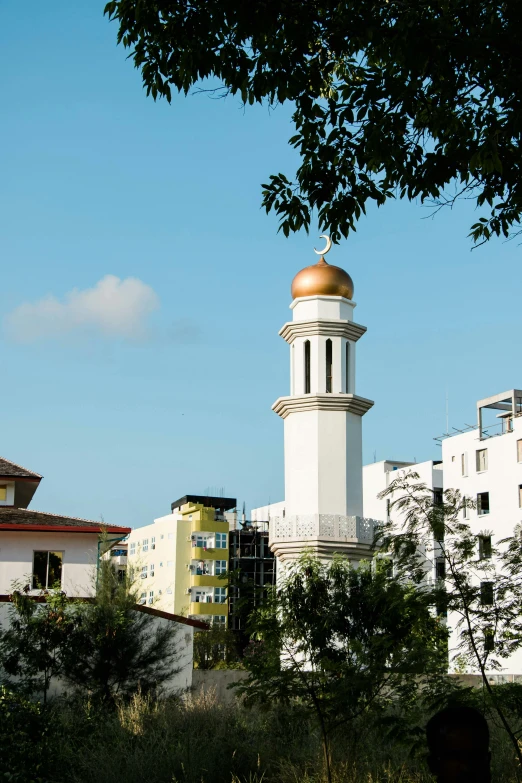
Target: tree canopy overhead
[[417, 100]]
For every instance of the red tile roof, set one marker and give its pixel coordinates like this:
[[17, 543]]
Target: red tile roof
[[27, 519]]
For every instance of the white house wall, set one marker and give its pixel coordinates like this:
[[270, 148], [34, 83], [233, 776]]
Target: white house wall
[[179, 681], [78, 566]]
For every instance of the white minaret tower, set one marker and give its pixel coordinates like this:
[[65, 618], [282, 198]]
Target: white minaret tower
[[323, 422]]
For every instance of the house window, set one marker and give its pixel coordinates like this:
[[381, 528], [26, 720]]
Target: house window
[[464, 464], [489, 640], [347, 368], [482, 460], [152, 569], [143, 598], [151, 596], [145, 544], [47, 570], [519, 450], [440, 568], [307, 367], [486, 593], [3, 493], [485, 550], [220, 595], [465, 509], [329, 352], [221, 567], [153, 542], [144, 572], [221, 540], [220, 620], [483, 503]]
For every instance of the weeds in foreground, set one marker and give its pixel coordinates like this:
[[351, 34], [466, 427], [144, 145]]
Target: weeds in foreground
[[202, 741]]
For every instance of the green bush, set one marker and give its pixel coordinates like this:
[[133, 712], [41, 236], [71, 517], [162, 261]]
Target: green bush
[[24, 740]]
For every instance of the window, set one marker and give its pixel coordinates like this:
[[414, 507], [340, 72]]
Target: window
[[47, 570], [483, 503], [347, 368], [307, 367], [489, 640], [151, 596], [145, 544], [486, 593], [3, 493], [132, 548], [143, 598], [221, 540], [482, 460], [438, 497], [465, 509], [201, 541], [220, 595], [329, 351], [519, 450], [220, 620], [152, 569], [153, 542], [520, 495], [440, 568], [221, 567], [144, 572], [161, 564], [485, 549], [464, 464], [453, 459]]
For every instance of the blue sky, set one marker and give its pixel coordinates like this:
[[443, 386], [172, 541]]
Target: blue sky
[[99, 180]]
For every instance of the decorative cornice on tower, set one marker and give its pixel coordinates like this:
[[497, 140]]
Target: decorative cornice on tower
[[350, 403], [347, 329]]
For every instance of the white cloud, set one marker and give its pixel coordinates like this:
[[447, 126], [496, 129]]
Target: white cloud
[[114, 308]]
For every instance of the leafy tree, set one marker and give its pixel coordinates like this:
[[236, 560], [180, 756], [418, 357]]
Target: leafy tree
[[24, 737], [479, 587], [336, 640], [418, 100], [215, 649], [33, 643], [118, 650]]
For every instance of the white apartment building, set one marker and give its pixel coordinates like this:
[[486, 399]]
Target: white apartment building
[[484, 462]]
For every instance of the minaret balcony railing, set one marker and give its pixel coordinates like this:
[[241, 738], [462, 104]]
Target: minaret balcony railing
[[323, 526]]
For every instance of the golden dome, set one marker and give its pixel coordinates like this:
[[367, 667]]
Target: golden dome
[[322, 279]]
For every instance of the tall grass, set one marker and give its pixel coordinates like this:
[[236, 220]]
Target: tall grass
[[202, 741]]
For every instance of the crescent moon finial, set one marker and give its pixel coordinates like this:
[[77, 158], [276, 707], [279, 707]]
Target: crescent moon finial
[[328, 245]]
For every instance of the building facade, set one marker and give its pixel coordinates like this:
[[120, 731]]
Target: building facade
[[182, 558], [484, 463]]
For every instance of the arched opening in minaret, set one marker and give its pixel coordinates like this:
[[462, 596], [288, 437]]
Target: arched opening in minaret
[[347, 363], [328, 366], [307, 366]]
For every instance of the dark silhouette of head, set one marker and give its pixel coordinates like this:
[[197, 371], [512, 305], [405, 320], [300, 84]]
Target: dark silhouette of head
[[458, 742]]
